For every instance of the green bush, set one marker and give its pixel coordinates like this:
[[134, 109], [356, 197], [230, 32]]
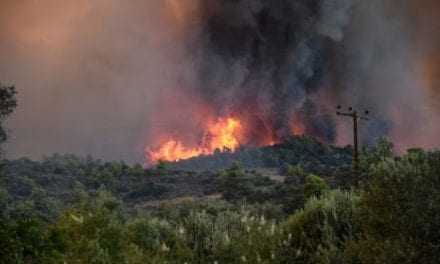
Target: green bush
[[400, 211], [319, 233], [314, 186]]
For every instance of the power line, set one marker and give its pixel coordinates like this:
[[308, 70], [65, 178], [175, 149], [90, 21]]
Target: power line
[[356, 116]]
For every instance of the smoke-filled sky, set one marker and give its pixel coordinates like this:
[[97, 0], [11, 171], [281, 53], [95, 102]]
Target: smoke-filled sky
[[108, 77]]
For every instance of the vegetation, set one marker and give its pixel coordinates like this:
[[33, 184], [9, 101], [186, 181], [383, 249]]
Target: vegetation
[[400, 210], [296, 202], [46, 188], [307, 152], [71, 210]]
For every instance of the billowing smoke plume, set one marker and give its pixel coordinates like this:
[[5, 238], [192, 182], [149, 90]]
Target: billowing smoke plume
[[271, 61], [108, 77]]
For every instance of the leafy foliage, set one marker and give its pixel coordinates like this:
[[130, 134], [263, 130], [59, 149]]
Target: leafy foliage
[[65, 209], [314, 186], [319, 232], [400, 210]]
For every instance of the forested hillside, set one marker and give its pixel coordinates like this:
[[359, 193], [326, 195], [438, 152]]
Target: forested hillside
[[73, 210], [305, 151], [48, 186]]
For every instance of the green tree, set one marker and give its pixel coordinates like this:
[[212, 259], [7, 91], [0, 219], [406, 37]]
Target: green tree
[[93, 232], [28, 241], [400, 211], [320, 232], [314, 186], [381, 152]]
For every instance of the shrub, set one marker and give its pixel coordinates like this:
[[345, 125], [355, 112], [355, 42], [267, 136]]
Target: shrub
[[319, 232]]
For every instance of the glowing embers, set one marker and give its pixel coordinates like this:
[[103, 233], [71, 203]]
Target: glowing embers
[[224, 134]]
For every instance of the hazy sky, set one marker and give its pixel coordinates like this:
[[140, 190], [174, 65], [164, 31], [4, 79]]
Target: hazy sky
[[89, 73]]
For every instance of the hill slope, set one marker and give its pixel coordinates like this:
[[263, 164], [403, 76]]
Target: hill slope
[[305, 151], [50, 185]]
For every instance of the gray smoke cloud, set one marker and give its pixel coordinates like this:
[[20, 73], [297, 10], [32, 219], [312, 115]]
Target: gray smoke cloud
[[271, 59], [107, 78], [384, 69]]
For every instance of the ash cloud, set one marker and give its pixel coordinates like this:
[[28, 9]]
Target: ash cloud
[[108, 77]]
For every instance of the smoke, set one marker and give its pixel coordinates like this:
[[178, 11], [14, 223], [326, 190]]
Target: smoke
[[88, 73], [108, 77], [384, 69], [268, 61]]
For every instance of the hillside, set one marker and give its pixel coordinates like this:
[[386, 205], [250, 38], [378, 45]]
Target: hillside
[[67, 208], [312, 155], [47, 187]]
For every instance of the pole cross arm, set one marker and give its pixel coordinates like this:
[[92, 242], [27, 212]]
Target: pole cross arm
[[345, 114]]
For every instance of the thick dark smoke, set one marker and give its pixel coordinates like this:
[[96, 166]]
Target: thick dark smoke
[[269, 60], [108, 77], [300, 59]]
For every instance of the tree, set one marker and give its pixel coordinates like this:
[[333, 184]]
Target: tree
[[382, 151], [94, 232], [314, 186], [400, 211], [8, 103], [320, 232], [28, 240]]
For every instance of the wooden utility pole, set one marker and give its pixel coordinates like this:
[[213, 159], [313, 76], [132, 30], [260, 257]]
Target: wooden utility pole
[[354, 114]]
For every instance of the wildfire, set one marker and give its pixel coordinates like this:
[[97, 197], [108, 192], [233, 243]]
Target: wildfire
[[173, 150], [224, 134]]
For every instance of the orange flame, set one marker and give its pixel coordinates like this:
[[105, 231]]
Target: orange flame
[[173, 150], [223, 135]]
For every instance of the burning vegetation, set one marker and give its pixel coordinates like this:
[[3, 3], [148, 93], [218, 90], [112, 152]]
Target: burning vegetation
[[223, 135], [169, 80], [264, 62], [278, 67]]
